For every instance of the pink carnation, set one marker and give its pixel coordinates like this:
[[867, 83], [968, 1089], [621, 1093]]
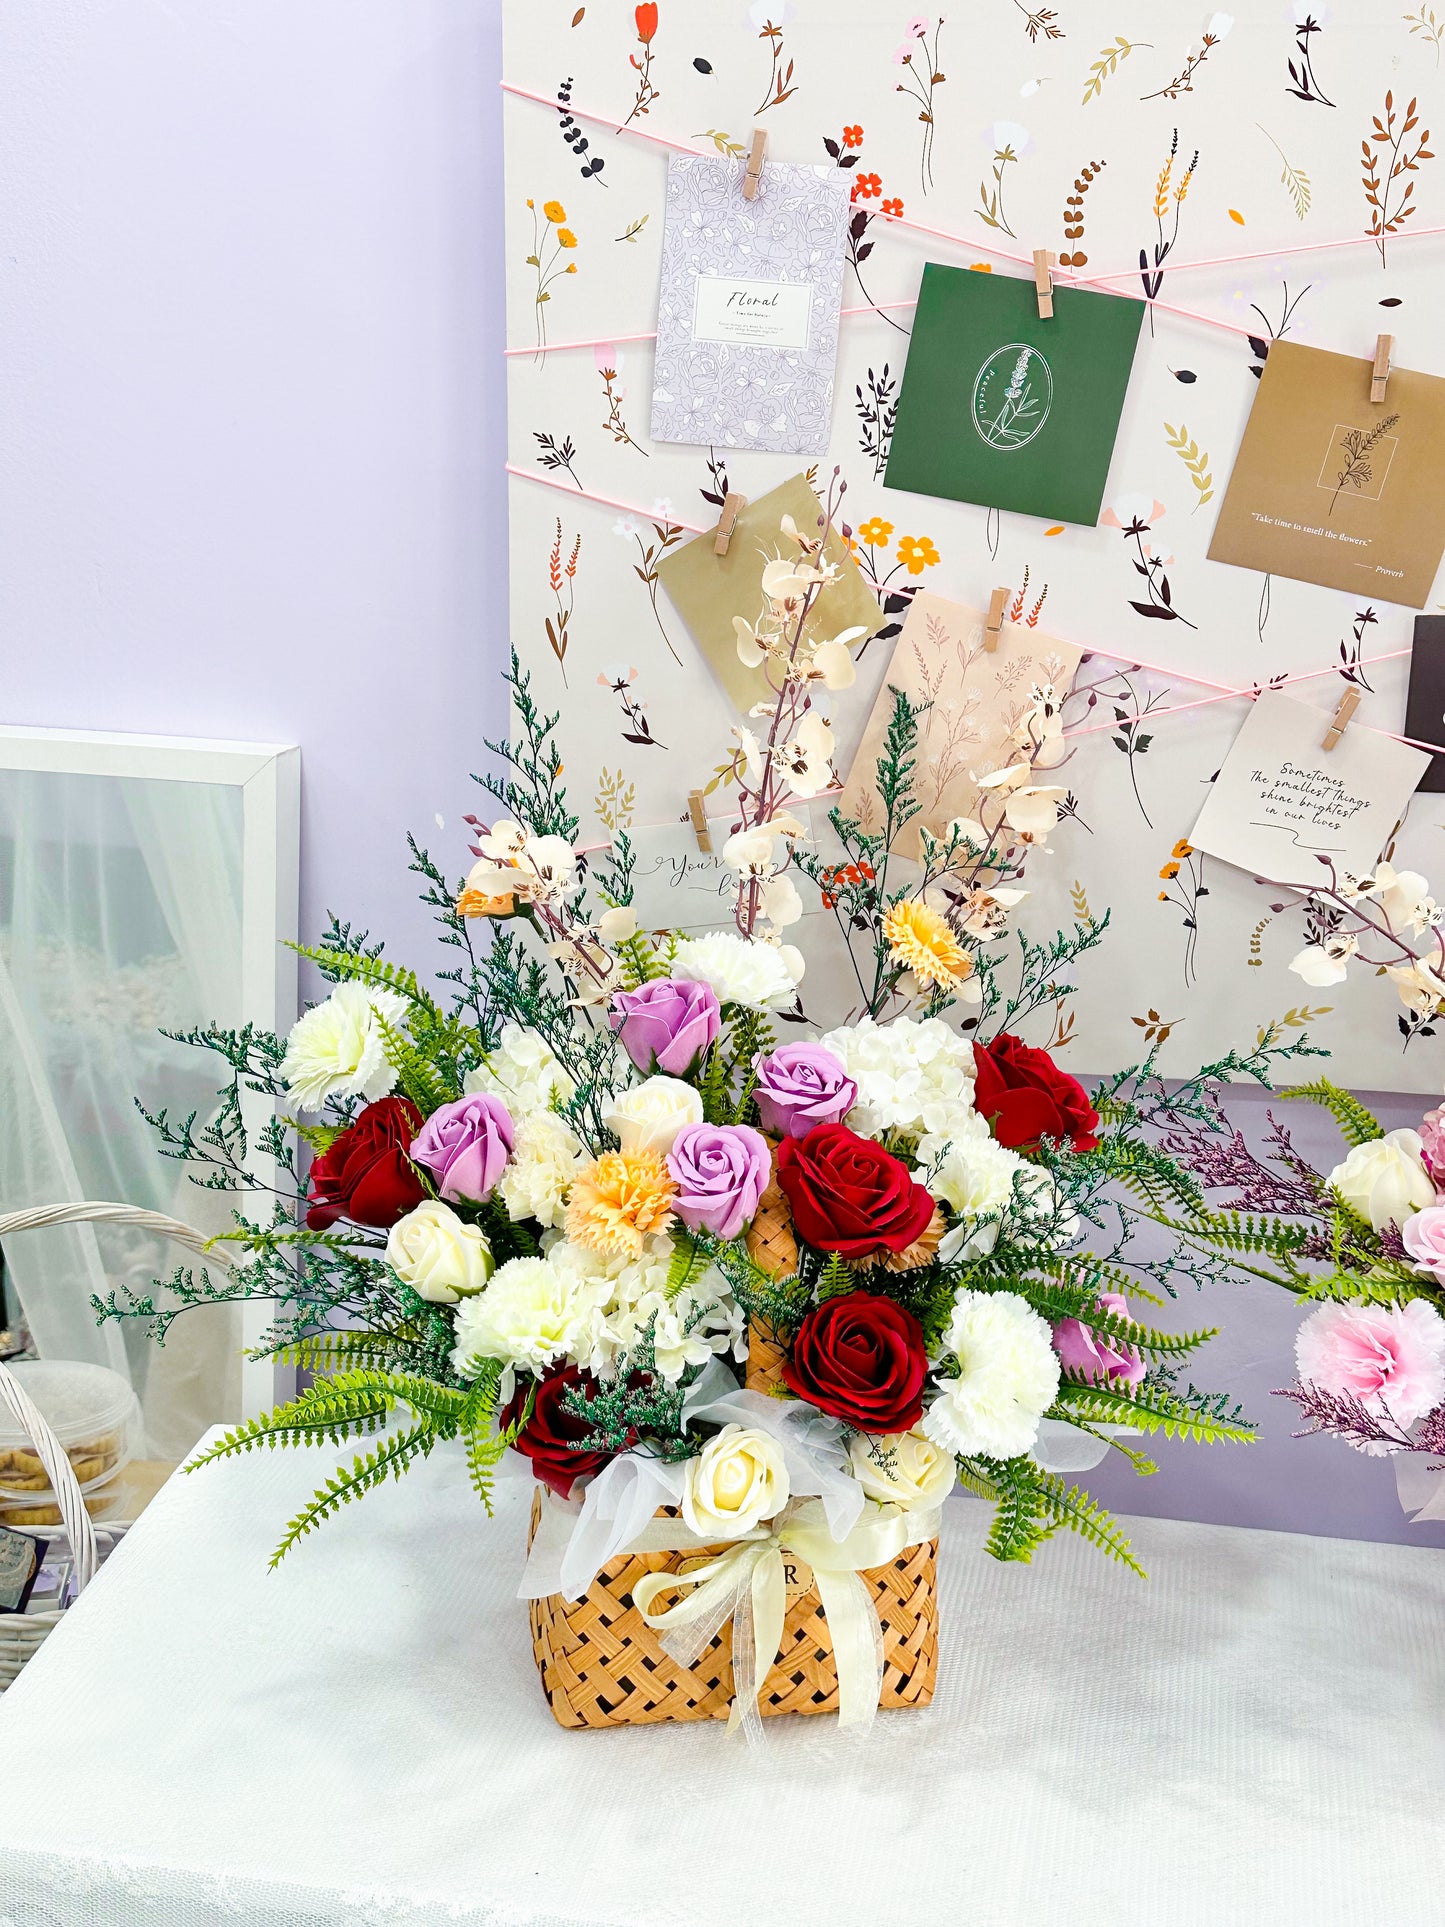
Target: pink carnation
[[1390, 1357]]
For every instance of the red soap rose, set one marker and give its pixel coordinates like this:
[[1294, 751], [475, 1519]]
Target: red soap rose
[[550, 1436], [860, 1358], [366, 1175], [1026, 1097], [847, 1194]]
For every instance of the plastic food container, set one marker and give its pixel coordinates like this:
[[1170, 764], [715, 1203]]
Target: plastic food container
[[94, 1415]]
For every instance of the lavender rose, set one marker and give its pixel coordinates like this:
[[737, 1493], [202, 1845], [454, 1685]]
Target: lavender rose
[[801, 1086], [1091, 1355], [721, 1172], [465, 1145], [666, 1026]]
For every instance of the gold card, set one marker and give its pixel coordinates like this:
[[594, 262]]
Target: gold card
[[976, 698], [1333, 488], [708, 590]]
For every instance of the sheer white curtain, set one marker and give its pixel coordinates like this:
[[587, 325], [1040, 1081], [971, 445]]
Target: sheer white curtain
[[120, 911]]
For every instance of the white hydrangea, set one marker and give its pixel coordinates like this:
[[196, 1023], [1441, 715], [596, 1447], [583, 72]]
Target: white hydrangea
[[523, 1072], [546, 1157], [336, 1050], [689, 1329], [759, 976], [532, 1313], [914, 1075], [974, 1176], [1008, 1374]]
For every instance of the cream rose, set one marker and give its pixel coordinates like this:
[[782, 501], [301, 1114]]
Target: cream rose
[[903, 1469], [650, 1115], [440, 1256], [1385, 1180], [737, 1479]]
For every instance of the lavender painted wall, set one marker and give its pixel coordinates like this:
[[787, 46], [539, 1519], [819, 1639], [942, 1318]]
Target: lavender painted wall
[[251, 486]]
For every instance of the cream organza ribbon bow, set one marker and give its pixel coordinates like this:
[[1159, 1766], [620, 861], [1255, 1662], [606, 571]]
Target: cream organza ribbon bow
[[747, 1584]]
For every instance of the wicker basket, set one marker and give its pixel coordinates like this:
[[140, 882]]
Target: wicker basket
[[603, 1665]]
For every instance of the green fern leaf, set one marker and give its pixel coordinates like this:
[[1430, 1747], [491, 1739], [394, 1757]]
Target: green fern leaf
[[1356, 1123]]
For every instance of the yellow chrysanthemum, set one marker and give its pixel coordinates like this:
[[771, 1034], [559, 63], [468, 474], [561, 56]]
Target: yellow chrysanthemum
[[922, 942], [875, 531], [554, 210], [618, 1200], [566, 238]]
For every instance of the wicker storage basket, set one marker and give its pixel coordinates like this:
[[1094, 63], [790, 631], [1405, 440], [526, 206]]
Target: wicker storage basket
[[602, 1665]]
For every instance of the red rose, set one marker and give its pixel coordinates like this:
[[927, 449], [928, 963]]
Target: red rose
[[1026, 1097], [860, 1358], [550, 1436], [849, 1195], [366, 1175]]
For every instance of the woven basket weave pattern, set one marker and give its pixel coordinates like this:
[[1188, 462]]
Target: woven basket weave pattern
[[602, 1665]]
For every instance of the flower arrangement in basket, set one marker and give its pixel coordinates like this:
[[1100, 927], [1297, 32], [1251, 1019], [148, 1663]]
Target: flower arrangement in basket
[[751, 1300]]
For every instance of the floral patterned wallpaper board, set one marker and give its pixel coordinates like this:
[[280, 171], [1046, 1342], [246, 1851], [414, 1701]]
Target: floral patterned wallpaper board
[[708, 589], [1125, 127], [1283, 806], [976, 699], [1001, 407], [1425, 706], [1331, 487], [747, 318]]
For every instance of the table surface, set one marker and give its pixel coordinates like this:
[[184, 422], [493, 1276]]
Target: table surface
[[1257, 1732]]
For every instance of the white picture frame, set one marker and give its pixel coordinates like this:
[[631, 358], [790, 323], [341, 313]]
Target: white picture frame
[[267, 777]]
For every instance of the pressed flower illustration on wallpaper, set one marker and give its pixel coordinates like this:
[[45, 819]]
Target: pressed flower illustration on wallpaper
[[922, 75], [847, 152], [553, 234], [645, 20]]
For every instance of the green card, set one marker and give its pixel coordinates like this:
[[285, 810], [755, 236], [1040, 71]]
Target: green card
[[1002, 408]]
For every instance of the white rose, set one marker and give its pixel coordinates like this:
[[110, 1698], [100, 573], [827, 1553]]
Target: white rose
[[336, 1050], [903, 1469], [758, 976], [545, 1158], [1008, 1374], [649, 1116], [1385, 1180], [534, 1312], [439, 1255], [737, 1479]]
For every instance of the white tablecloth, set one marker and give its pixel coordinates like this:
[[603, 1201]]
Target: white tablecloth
[[1257, 1733]]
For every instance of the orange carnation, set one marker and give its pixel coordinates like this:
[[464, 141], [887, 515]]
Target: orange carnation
[[620, 1199]]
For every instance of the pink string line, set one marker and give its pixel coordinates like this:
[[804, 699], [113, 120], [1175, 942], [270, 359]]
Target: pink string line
[[1225, 692], [958, 240]]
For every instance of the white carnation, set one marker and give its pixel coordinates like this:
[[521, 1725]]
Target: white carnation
[[974, 1176], [1008, 1374], [914, 1075], [336, 1050], [531, 1314], [523, 1071], [546, 1157], [759, 976]]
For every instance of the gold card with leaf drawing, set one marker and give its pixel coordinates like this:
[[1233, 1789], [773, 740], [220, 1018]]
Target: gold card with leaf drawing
[[708, 590], [977, 699], [1333, 488]]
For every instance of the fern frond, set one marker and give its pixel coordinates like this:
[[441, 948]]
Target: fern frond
[[690, 1259], [357, 966], [1148, 1408], [1356, 1123], [368, 1470], [414, 1073], [1071, 1506]]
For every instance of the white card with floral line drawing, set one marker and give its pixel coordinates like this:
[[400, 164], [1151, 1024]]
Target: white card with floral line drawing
[[1331, 487], [1281, 801], [747, 316]]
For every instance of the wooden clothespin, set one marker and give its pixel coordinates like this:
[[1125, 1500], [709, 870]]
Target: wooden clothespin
[[732, 507], [993, 628], [1044, 282], [1349, 703], [1380, 373], [697, 813], [753, 178]]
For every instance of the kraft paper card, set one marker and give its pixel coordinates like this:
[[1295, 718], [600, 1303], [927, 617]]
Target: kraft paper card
[[1425, 705], [1002, 408], [1333, 488], [747, 317], [708, 590], [1281, 802], [675, 886], [977, 700]]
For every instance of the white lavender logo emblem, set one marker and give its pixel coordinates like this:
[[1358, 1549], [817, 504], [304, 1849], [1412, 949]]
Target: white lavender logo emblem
[[1012, 394]]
